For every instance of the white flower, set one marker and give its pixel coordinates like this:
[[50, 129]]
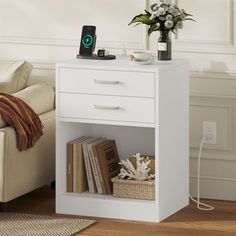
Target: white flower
[[154, 7], [174, 10], [157, 26], [154, 15], [169, 24], [179, 24], [165, 1], [170, 11], [162, 18], [169, 17], [162, 11]]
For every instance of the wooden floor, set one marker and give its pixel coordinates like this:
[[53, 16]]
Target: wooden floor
[[189, 221]]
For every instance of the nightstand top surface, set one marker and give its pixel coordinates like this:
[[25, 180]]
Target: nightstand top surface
[[121, 63]]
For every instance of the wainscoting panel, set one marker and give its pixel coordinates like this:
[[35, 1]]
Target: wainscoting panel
[[213, 168], [214, 188], [213, 84], [214, 30], [218, 165], [214, 110]]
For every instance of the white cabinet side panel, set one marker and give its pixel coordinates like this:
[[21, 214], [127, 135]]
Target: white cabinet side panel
[[173, 147]]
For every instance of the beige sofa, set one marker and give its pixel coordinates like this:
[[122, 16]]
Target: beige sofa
[[22, 172]]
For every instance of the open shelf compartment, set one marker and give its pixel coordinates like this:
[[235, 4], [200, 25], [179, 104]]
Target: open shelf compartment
[[129, 140]]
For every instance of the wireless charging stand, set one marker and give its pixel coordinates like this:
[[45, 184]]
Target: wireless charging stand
[[88, 44]]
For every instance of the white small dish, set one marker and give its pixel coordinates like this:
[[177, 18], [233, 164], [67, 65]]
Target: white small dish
[[147, 62], [142, 55]]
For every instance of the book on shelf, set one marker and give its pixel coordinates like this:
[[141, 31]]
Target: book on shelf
[[99, 170], [91, 163], [90, 177], [80, 183], [92, 153], [108, 160], [69, 176], [70, 167]]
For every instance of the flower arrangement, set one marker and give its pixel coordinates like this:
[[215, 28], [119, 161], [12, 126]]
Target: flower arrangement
[[164, 16]]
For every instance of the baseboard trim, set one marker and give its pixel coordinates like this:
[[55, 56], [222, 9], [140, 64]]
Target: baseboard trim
[[214, 188]]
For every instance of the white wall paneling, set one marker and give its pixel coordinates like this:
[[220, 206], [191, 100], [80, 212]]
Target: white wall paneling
[[215, 188], [214, 30], [210, 45], [218, 176], [215, 110], [60, 23]]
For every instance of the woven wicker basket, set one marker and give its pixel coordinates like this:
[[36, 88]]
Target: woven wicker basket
[[133, 189]]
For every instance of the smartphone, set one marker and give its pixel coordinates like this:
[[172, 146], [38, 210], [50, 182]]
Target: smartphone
[[88, 40]]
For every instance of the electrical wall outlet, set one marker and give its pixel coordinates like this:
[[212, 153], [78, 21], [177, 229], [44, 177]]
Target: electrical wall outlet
[[209, 132]]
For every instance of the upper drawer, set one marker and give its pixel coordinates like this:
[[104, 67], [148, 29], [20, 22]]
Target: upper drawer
[[121, 83]]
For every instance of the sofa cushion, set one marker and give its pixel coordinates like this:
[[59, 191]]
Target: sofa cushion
[[40, 97], [14, 75]]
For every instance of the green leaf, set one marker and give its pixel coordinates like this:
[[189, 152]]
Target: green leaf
[[143, 18], [190, 19], [152, 29], [176, 19], [186, 14]]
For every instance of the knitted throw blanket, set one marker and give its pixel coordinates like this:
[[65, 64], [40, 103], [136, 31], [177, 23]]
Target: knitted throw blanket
[[18, 114]]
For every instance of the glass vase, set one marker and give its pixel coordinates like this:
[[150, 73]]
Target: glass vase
[[164, 46]]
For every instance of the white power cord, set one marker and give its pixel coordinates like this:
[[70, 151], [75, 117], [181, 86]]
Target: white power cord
[[201, 206]]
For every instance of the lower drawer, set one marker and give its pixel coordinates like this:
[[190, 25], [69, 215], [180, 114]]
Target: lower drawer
[[111, 108]]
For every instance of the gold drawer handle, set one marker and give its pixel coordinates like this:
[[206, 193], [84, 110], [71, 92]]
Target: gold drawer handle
[[98, 107], [105, 81]]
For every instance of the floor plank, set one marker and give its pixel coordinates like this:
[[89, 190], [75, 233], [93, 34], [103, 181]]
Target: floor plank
[[188, 222]]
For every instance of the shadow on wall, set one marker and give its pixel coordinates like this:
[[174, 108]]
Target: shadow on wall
[[220, 70], [219, 66]]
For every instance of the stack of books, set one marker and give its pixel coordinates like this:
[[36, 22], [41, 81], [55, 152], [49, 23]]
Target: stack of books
[[91, 164]]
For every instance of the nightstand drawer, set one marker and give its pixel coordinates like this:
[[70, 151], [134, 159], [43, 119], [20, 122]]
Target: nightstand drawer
[[120, 83], [111, 108]]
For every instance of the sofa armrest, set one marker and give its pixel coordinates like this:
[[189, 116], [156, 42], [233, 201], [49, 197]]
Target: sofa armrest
[[40, 97], [22, 172]]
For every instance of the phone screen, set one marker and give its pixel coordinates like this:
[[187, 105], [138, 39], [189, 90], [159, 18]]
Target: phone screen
[[88, 40]]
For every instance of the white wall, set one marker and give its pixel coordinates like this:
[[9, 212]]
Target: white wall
[[210, 44], [48, 31]]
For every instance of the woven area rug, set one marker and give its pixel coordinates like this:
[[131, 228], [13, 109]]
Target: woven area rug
[[35, 225]]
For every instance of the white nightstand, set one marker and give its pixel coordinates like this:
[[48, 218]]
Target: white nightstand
[[146, 109]]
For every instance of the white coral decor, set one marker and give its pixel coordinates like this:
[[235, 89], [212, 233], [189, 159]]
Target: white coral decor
[[141, 173]]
